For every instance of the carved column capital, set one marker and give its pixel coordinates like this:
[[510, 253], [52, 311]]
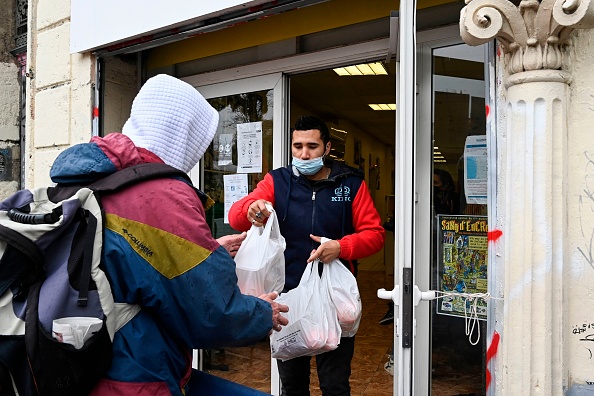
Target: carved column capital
[[531, 34]]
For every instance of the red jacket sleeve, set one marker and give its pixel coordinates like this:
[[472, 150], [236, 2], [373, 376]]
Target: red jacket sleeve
[[369, 235], [238, 212]]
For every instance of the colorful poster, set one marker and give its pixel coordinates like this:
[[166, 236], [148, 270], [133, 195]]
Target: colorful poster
[[462, 263]]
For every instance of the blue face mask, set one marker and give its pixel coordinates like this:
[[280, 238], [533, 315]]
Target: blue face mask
[[308, 167]]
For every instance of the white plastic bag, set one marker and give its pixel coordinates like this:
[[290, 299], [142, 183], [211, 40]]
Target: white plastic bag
[[307, 333], [334, 328], [260, 260], [344, 293]]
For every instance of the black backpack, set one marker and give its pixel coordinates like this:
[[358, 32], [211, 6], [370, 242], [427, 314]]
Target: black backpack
[[50, 269]]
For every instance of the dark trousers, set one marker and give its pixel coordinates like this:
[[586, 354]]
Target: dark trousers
[[334, 370]]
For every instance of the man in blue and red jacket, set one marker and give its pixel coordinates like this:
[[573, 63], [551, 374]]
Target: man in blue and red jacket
[[314, 198]]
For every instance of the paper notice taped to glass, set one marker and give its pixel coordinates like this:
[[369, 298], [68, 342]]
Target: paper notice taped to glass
[[475, 169], [249, 147], [236, 187]]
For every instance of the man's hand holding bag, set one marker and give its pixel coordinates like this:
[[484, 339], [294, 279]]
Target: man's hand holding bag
[[260, 260]]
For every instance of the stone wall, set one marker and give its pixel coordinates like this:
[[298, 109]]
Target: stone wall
[[9, 104], [60, 90]]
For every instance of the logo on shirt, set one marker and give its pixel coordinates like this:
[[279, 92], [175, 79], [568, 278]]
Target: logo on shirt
[[342, 193]]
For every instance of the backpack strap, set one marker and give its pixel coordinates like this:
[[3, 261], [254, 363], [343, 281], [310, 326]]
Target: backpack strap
[[87, 265], [135, 174], [141, 172], [15, 268], [119, 180]]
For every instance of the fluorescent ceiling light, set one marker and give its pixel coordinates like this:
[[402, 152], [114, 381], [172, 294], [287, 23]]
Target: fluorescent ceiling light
[[383, 106], [338, 130], [363, 69], [341, 71], [439, 160], [438, 157]]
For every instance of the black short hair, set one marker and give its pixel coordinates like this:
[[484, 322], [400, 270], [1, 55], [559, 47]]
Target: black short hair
[[305, 123]]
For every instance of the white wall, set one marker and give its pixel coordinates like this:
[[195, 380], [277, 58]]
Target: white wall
[[60, 91], [580, 203]]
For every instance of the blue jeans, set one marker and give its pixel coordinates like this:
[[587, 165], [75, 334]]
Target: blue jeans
[[334, 370]]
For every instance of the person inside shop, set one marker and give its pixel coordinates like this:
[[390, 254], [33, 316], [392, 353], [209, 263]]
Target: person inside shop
[[183, 279], [315, 197], [445, 197]]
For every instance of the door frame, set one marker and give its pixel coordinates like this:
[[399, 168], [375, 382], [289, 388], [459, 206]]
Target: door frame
[[275, 75]]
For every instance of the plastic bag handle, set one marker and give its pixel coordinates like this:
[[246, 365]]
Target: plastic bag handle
[[271, 228]]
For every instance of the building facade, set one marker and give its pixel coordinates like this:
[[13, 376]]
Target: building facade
[[527, 63], [12, 74]]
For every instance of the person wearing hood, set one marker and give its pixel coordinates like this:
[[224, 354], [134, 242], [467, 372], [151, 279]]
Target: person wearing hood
[[314, 198], [181, 277]]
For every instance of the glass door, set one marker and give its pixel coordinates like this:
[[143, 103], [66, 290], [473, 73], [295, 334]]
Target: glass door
[[440, 131], [450, 254], [248, 141], [458, 220]]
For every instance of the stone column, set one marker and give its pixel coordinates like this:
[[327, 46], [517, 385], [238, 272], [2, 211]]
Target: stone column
[[532, 350], [531, 186]]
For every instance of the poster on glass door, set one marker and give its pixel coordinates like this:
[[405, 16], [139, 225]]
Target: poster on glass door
[[225, 150], [236, 187], [461, 264], [475, 169], [249, 147]]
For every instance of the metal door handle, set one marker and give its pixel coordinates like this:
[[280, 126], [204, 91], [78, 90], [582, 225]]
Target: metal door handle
[[410, 295]]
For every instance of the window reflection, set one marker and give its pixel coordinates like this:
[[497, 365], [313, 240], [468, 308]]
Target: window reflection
[[221, 157]]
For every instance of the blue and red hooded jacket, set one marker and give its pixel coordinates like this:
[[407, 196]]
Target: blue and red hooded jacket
[[183, 280], [339, 207]]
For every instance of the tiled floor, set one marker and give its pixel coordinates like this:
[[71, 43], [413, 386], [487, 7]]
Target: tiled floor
[[251, 365]]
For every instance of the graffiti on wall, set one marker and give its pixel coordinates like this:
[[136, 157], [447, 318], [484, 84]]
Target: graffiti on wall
[[585, 331], [586, 203]]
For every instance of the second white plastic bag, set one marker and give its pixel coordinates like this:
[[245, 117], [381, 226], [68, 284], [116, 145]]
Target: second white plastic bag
[[344, 293], [260, 260], [309, 330]]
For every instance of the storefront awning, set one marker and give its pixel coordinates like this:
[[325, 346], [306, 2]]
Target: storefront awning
[[124, 26]]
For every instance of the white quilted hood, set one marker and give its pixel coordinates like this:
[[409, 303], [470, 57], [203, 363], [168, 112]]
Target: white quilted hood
[[171, 119]]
